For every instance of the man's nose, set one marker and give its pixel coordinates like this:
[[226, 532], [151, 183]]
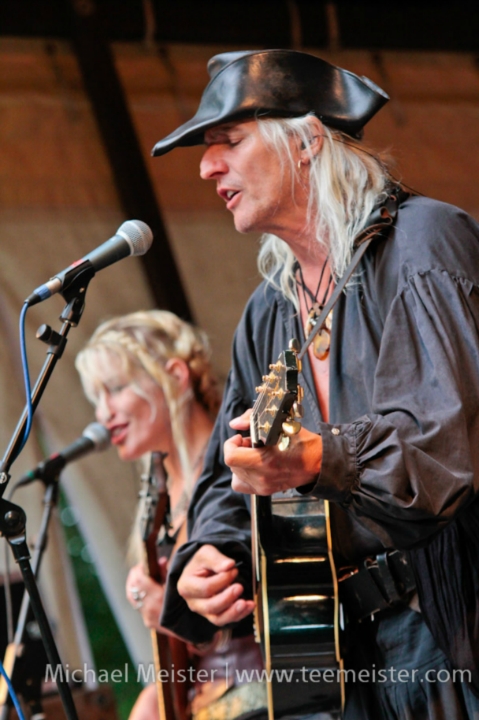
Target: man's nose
[[212, 163]]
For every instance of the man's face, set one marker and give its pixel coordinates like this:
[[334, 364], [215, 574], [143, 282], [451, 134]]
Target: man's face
[[249, 177]]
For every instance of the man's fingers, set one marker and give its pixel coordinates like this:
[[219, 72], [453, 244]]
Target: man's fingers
[[234, 442], [239, 610], [241, 422], [238, 451], [209, 560], [241, 486], [208, 586], [217, 604], [194, 586], [225, 608]]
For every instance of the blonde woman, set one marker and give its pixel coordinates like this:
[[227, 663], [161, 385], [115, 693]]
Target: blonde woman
[[149, 376]]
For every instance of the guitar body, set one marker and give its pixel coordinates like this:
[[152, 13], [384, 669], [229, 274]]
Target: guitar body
[[297, 606], [297, 611]]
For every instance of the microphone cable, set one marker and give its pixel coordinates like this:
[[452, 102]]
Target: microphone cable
[[12, 692], [26, 379]]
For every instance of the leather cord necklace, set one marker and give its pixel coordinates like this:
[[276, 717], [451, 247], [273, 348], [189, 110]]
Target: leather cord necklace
[[380, 221], [322, 339]]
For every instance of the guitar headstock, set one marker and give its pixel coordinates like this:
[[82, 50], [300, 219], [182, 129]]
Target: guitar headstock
[[153, 489], [275, 414]]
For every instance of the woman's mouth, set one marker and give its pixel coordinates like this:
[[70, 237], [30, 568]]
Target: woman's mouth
[[118, 434]]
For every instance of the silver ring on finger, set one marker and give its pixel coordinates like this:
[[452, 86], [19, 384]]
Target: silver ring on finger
[[137, 594]]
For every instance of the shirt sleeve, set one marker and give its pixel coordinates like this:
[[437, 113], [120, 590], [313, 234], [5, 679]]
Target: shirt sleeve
[[406, 468]]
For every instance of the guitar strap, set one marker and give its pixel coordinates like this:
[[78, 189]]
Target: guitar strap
[[380, 222]]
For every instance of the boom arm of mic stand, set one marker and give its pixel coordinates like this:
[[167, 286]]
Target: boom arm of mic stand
[[72, 312], [12, 527]]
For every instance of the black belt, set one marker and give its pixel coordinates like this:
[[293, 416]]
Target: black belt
[[377, 584]]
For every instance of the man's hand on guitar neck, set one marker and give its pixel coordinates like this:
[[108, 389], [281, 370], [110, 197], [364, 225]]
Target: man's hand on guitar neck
[[267, 470], [207, 584]]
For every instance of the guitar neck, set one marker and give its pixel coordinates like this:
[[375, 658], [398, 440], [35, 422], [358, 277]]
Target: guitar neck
[[168, 652], [297, 607], [161, 659]]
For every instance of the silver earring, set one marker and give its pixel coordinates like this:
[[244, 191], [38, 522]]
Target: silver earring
[[299, 164]]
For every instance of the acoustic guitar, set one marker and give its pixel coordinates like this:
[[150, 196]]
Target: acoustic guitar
[[296, 591], [168, 653]]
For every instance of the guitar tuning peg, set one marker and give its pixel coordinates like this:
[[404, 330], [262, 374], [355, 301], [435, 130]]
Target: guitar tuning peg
[[276, 366], [283, 443], [294, 345], [291, 427], [298, 410], [260, 388]]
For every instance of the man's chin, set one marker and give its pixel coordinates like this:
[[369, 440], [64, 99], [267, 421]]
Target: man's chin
[[244, 226]]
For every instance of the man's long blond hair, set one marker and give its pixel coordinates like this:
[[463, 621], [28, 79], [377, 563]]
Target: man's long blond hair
[[346, 180]]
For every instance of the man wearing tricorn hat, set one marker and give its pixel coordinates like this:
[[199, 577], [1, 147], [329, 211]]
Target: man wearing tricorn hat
[[390, 433]]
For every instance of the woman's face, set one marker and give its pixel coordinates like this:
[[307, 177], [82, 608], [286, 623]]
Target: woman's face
[[137, 425]]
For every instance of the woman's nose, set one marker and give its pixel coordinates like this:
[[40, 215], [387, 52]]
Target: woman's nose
[[103, 410]]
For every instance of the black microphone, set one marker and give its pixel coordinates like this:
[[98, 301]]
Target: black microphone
[[134, 237], [95, 438]]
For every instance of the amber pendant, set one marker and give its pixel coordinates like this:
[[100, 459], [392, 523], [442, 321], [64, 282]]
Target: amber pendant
[[322, 343], [322, 340]]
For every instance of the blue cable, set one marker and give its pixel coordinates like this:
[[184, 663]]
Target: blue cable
[[26, 378], [12, 692]]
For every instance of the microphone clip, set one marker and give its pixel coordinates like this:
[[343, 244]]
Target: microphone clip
[[47, 471], [73, 293]]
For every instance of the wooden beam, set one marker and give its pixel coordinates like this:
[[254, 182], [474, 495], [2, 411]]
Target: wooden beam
[[133, 183]]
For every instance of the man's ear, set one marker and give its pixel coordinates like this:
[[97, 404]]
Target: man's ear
[[178, 368], [317, 134]]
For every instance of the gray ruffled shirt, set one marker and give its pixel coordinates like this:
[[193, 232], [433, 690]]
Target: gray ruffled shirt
[[404, 396]]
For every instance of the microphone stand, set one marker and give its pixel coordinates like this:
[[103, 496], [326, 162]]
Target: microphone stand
[[12, 517], [16, 649]]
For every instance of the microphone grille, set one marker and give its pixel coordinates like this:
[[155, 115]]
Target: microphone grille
[[98, 434], [137, 234]]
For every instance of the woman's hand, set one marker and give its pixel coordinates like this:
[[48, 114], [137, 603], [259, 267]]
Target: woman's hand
[[146, 595]]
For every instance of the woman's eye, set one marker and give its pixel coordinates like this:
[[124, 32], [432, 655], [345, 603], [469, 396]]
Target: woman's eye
[[116, 388]]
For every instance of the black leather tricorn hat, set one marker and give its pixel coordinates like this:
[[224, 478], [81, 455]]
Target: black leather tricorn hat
[[278, 83]]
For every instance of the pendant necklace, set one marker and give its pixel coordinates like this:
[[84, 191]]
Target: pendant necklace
[[322, 340]]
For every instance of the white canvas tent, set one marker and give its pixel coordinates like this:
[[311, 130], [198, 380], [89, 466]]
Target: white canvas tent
[[58, 201]]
